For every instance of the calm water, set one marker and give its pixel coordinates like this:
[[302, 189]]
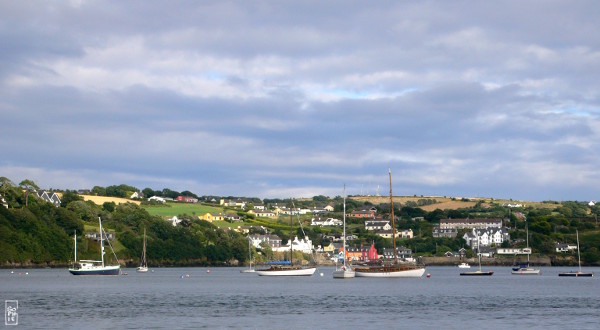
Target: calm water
[[225, 298]]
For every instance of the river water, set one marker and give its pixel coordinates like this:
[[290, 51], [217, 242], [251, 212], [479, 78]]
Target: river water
[[192, 298]]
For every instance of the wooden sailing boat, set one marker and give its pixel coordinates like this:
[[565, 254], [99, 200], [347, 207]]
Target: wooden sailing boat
[[143, 268], [345, 271], [526, 269], [396, 269], [288, 270], [250, 269], [578, 273], [94, 267]]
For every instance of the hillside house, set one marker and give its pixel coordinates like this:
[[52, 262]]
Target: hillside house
[[564, 247], [378, 225], [304, 245], [262, 213], [50, 197], [157, 199], [325, 222], [450, 232], [362, 214], [96, 236], [186, 199], [210, 217], [486, 237], [477, 223], [402, 253], [273, 240], [3, 201], [174, 220]]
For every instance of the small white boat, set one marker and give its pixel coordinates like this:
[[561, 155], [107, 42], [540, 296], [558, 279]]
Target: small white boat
[[344, 271], [143, 268], [94, 267], [464, 265], [250, 269]]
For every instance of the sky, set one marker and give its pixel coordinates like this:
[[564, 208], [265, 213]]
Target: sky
[[278, 99]]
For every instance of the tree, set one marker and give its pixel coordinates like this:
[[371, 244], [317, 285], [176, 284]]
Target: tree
[[28, 186]]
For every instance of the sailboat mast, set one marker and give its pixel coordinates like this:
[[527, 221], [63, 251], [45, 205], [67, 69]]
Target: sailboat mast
[[75, 240], [527, 233], [291, 233], [101, 241], [393, 221], [344, 239], [144, 251], [578, 253]]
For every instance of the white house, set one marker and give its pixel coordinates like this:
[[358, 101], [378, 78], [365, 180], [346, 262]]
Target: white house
[[304, 245], [379, 225], [273, 240], [564, 247], [479, 223], [174, 221], [157, 199], [486, 237], [322, 222]]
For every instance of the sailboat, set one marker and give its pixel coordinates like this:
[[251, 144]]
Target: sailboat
[[395, 269], [344, 271], [250, 269], [578, 273], [526, 269], [478, 272], [287, 269], [143, 268], [94, 267]]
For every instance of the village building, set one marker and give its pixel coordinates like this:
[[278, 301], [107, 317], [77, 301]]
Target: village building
[[486, 237], [477, 223]]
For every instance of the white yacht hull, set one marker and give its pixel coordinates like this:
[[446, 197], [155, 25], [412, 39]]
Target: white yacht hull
[[526, 271], [417, 272], [287, 272], [340, 273], [142, 269]]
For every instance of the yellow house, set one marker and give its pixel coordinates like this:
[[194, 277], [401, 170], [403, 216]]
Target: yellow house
[[210, 217], [329, 248]]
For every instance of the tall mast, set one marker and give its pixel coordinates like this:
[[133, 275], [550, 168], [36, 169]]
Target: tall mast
[[344, 240], [578, 254], [393, 222], [101, 241], [75, 240], [291, 233]]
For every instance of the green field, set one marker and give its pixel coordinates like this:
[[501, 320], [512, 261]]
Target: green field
[[173, 209]]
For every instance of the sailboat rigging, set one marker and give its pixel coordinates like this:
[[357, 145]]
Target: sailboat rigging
[[526, 269], [250, 269], [344, 271], [395, 269], [94, 267], [291, 269], [143, 262], [578, 273]]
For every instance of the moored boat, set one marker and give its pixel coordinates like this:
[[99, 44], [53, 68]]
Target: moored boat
[[143, 268], [578, 273], [344, 271], [94, 267], [478, 272], [395, 269], [464, 265]]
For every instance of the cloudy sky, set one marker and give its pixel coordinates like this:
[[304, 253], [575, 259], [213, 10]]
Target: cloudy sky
[[295, 98]]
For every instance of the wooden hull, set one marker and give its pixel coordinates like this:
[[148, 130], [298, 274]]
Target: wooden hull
[[286, 271], [390, 271]]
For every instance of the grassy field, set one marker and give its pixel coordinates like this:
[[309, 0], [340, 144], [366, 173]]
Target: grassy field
[[173, 209], [447, 203], [99, 200]]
